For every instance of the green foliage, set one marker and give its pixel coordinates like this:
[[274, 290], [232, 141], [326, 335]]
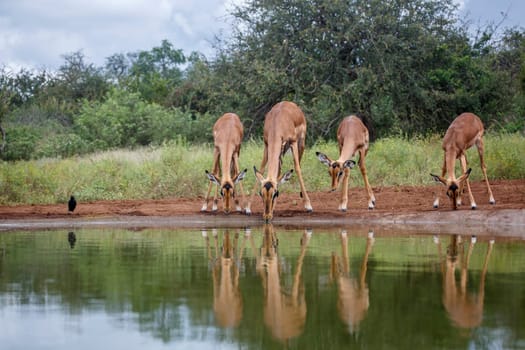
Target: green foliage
[[410, 68], [21, 142], [153, 74], [125, 120]]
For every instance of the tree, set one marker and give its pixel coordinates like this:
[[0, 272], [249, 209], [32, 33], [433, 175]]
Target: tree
[[404, 64], [155, 73]]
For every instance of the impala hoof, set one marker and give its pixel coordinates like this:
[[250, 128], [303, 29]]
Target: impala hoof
[[248, 212], [435, 206], [473, 207], [492, 202]]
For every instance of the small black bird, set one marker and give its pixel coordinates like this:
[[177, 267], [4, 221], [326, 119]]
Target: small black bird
[[72, 204], [71, 238]]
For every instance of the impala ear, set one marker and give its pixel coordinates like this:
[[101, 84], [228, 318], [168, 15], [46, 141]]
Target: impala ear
[[323, 158], [258, 174], [240, 176], [285, 177], [464, 176], [212, 178], [439, 179], [349, 164]]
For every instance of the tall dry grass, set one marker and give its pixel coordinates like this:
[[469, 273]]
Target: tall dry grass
[[177, 169]]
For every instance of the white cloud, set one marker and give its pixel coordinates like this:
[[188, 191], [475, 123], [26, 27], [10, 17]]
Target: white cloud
[[37, 33]]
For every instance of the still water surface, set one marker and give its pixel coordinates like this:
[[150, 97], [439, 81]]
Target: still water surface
[[264, 288]]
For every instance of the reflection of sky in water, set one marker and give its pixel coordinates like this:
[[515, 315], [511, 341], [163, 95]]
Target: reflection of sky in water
[[48, 327]]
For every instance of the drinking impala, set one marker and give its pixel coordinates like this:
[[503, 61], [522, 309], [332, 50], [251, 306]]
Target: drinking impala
[[284, 129], [463, 133], [227, 134], [352, 137]]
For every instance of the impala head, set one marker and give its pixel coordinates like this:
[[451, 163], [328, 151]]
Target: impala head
[[336, 169], [227, 187], [454, 187], [270, 191]]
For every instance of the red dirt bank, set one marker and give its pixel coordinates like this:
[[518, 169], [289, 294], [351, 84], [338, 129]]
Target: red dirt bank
[[398, 200]]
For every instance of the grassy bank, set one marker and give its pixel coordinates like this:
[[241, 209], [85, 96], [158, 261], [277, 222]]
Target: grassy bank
[[177, 169]]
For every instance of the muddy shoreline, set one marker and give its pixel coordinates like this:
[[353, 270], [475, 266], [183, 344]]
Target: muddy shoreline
[[399, 208]]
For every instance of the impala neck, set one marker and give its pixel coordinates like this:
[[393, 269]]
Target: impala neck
[[451, 154], [275, 148], [348, 150], [226, 160]]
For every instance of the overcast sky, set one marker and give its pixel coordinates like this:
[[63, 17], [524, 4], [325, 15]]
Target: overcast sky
[[36, 33]]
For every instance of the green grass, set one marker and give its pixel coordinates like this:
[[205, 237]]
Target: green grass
[[177, 169]]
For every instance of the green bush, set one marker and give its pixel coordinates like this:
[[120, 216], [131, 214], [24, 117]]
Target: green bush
[[21, 141]]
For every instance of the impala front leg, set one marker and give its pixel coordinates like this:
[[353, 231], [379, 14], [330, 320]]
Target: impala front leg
[[215, 171], [443, 172], [248, 210], [463, 161], [344, 191], [236, 168]]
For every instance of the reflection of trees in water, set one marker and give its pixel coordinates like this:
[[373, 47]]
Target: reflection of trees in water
[[353, 296], [464, 308], [284, 308]]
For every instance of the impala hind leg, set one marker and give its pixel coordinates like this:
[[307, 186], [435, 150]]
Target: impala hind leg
[[362, 167], [480, 147]]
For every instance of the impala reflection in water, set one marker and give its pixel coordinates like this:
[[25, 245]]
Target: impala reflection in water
[[352, 297], [464, 308], [227, 298], [284, 308]]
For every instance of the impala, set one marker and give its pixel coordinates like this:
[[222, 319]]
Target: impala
[[352, 137], [463, 133], [227, 135], [353, 296], [464, 306], [284, 129]]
